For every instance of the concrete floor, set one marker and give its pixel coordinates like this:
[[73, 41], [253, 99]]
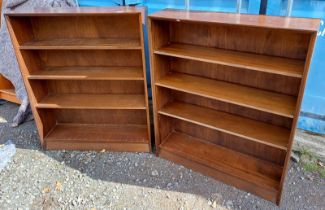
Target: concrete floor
[[314, 143], [37, 179]]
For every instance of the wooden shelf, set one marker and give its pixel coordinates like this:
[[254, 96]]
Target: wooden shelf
[[82, 44], [235, 125], [9, 95], [249, 61], [113, 137], [253, 170], [88, 73], [236, 94], [92, 101], [101, 133], [7, 91]]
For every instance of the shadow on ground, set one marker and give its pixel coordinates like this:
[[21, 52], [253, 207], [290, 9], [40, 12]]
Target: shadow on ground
[[146, 170]]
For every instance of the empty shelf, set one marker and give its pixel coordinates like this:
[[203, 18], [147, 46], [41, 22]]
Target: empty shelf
[[89, 73], [8, 91], [9, 95], [92, 101], [98, 132], [266, 101], [263, 63], [85, 43], [98, 137], [239, 126], [245, 167]]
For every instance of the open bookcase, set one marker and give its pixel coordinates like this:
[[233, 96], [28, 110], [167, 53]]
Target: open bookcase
[[84, 71], [227, 93]]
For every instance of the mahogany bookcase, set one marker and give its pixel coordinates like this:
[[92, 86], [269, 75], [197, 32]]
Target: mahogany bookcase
[[227, 92], [84, 71]]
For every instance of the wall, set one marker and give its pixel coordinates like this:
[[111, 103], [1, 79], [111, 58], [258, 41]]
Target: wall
[[313, 106]]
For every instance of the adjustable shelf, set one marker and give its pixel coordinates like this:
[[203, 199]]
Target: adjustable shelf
[[86, 81], [7, 91], [263, 133], [250, 61], [113, 137], [234, 164], [275, 103], [227, 92], [79, 44]]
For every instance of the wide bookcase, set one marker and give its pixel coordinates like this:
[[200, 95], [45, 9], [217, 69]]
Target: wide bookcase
[[84, 70], [227, 93]]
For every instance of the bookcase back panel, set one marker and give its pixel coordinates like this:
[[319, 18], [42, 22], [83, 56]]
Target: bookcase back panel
[[88, 117], [49, 120], [22, 28], [93, 58], [166, 127], [283, 43], [161, 34], [211, 137], [43, 88], [31, 60], [97, 116], [163, 64], [233, 109], [280, 84], [166, 96], [95, 87], [238, 144], [82, 27], [41, 60]]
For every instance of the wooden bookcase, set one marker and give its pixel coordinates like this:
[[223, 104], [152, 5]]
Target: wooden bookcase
[[84, 71], [227, 93]]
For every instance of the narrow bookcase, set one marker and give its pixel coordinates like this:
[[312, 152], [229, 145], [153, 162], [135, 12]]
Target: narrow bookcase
[[227, 92], [84, 70]]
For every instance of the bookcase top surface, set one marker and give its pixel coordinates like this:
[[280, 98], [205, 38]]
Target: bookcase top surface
[[276, 22], [76, 11]]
